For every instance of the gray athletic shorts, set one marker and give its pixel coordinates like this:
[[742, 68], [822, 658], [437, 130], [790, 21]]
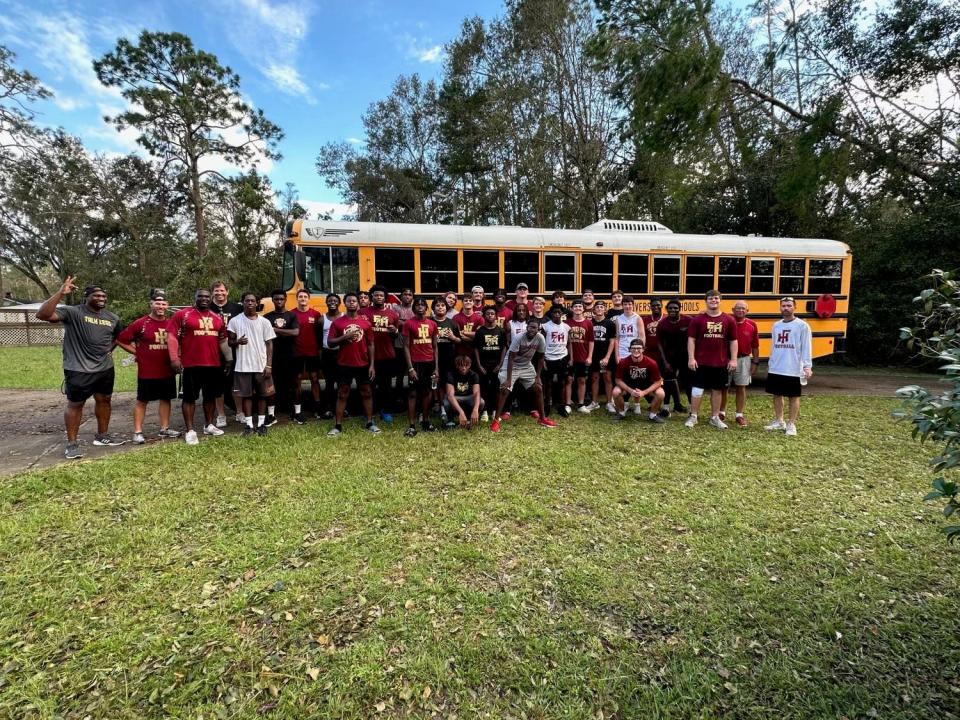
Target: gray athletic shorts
[[741, 376], [526, 376]]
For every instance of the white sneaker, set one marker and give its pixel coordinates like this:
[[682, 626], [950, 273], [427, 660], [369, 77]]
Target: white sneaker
[[221, 421], [212, 429], [485, 416], [791, 429], [611, 407], [718, 423], [240, 418], [139, 439], [637, 409], [585, 409], [191, 438], [593, 406], [775, 425], [691, 421]]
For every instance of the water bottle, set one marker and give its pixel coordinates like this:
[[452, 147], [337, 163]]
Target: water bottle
[[803, 378], [433, 383], [128, 361]]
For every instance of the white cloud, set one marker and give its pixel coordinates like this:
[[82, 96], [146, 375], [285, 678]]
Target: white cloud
[[355, 141], [423, 50], [336, 210], [285, 24], [66, 103], [431, 55]]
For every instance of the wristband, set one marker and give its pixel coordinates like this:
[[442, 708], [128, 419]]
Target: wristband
[[268, 367]]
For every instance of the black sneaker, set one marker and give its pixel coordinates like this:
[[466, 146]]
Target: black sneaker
[[247, 431], [106, 439], [427, 426], [262, 430], [299, 419], [328, 415], [269, 421], [680, 409], [410, 431], [72, 451]]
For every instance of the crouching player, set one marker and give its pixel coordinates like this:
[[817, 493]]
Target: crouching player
[[637, 377], [462, 402]]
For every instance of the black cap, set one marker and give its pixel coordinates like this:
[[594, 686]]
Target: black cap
[[158, 294], [91, 289]]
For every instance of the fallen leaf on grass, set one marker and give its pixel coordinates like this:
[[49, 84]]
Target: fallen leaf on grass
[[313, 673], [427, 692]]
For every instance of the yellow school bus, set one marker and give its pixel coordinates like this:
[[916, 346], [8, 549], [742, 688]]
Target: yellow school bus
[[640, 258]]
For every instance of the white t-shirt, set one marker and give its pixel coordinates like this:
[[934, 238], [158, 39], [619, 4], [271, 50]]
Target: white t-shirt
[[327, 322], [516, 327], [557, 337], [251, 357], [790, 348], [628, 328]]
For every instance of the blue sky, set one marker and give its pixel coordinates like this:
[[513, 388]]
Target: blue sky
[[313, 66]]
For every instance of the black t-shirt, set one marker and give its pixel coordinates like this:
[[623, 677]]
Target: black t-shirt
[[613, 312], [567, 312], [446, 330], [283, 320], [463, 384], [490, 343], [603, 332], [229, 310]]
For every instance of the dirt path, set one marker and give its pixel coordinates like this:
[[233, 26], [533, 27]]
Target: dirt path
[[31, 434]]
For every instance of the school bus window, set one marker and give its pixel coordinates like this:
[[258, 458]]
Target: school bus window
[[287, 271], [596, 272], [521, 267], [438, 271], [791, 276], [825, 276], [699, 273], [632, 274], [666, 273], [317, 269], [560, 271], [394, 268], [732, 277], [346, 269], [481, 267], [761, 275]]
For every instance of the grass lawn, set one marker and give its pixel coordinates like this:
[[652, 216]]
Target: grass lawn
[[587, 572], [41, 368]]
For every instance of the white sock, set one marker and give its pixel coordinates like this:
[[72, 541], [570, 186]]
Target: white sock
[[270, 409], [296, 409], [239, 417], [652, 415], [249, 421], [739, 414], [260, 420]]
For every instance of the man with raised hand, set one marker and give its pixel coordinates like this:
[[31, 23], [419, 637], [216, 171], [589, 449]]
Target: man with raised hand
[[252, 337], [196, 345], [711, 355], [790, 365], [581, 354], [352, 335], [420, 352], [226, 309], [306, 353], [524, 368], [638, 376], [386, 327], [90, 332], [146, 338], [748, 358], [287, 328]]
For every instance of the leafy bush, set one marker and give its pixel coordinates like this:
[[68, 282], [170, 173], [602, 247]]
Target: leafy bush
[[936, 416]]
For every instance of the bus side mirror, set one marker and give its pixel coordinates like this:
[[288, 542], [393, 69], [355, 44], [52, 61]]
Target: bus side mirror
[[300, 264]]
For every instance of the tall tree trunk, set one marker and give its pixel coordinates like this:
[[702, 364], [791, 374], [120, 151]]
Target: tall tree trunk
[[197, 208]]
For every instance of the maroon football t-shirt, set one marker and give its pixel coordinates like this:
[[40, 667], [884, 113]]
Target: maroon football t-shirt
[[581, 335], [419, 335], [651, 325], [712, 336], [640, 373], [353, 353], [153, 356], [467, 323], [305, 343], [199, 333], [381, 319]]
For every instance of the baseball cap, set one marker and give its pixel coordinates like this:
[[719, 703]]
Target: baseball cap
[[158, 294], [477, 287], [522, 286]]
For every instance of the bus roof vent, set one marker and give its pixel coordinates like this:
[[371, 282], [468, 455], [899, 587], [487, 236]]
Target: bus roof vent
[[645, 226]]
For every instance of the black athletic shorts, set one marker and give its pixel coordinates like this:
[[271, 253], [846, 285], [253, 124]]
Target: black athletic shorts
[[150, 389], [558, 368], [306, 364], [81, 385], [783, 385], [710, 377], [346, 374], [424, 376], [580, 370], [206, 380], [249, 384]]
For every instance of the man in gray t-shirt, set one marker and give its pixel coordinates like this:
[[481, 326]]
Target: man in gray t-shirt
[[90, 334], [524, 366]]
